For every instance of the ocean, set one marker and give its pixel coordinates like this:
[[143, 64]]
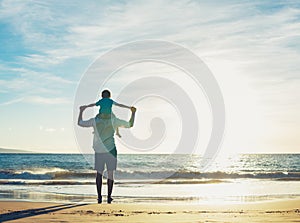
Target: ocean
[[151, 178]]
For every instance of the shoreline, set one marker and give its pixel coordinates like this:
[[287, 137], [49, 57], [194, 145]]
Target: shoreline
[[275, 211], [247, 191]]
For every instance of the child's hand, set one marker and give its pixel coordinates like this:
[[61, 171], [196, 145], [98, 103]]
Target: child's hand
[[133, 109]]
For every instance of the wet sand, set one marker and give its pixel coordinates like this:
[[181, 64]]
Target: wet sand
[[268, 211]]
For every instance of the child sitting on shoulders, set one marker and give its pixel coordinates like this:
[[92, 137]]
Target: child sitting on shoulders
[[106, 104]]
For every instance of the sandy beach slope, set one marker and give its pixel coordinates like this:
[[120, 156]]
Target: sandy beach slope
[[271, 211]]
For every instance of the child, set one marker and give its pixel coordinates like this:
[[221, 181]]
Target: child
[[105, 104]]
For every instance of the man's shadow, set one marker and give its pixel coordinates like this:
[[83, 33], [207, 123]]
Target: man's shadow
[[34, 212]]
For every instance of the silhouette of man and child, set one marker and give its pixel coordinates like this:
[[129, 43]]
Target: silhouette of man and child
[[105, 125]]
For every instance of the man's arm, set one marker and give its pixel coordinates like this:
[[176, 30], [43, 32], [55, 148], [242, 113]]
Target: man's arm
[[131, 121], [82, 123], [126, 124]]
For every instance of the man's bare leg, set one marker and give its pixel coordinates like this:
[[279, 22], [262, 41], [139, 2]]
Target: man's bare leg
[[110, 183], [99, 186]]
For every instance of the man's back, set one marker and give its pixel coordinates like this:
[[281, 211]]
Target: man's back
[[104, 129]]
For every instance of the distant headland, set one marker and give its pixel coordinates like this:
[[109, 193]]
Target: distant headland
[[14, 151]]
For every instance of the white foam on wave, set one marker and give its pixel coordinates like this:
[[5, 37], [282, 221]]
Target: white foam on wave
[[41, 170]]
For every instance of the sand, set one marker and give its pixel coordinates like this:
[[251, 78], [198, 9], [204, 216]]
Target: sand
[[268, 211]]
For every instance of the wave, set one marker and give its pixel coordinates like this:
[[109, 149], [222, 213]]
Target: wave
[[63, 174], [92, 182], [44, 182], [45, 174], [207, 175]]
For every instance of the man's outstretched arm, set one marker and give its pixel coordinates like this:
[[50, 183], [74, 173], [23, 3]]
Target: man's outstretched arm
[[125, 124], [81, 122], [131, 121], [81, 109], [121, 105]]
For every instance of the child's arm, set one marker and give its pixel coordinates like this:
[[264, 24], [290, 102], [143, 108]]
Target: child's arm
[[90, 105], [121, 105]]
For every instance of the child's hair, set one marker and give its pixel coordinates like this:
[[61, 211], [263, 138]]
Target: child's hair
[[105, 94]]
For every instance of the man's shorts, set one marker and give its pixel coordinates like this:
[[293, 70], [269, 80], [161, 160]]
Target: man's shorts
[[108, 159]]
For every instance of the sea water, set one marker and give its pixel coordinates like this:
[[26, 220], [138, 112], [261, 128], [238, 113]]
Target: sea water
[[151, 178]]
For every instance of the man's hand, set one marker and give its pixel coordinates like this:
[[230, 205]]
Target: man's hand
[[83, 107], [131, 121], [133, 109]]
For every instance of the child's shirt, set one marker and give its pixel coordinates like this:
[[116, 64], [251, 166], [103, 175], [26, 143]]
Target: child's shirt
[[105, 105]]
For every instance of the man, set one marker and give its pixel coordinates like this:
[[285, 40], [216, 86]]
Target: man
[[104, 146]]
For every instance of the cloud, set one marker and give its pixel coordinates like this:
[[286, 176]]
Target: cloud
[[47, 101], [243, 32], [23, 83], [258, 37], [38, 100], [253, 40], [12, 101], [212, 26], [50, 130]]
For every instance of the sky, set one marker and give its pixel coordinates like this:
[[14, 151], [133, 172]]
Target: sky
[[251, 47]]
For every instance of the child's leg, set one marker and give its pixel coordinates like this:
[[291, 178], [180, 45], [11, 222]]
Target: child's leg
[[117, 129], [117, 132]]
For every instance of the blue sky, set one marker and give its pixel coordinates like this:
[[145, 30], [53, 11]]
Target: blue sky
[[252, 47]]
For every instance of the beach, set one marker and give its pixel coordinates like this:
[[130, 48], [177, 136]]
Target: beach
[[267, 211]]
